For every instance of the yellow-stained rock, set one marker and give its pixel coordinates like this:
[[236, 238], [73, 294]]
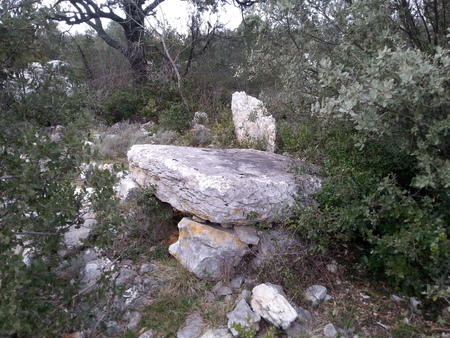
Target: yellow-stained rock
[[206, 250]]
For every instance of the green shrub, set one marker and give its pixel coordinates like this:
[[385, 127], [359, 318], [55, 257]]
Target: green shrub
[[175, 118], [122, 105], [387, 163], [38, 204]]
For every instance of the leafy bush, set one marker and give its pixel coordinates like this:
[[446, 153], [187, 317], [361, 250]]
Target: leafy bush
[[122, 105], [175, 118], [38, 204], [388, 163]]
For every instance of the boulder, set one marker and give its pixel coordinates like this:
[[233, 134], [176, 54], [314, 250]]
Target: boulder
[[269, 303], [253, 125], [207, 251], [225, 186]]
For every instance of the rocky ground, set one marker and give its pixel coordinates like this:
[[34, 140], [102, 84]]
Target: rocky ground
[[136, 289]]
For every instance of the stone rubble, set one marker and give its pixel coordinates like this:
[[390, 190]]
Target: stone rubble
[[242, 315], [268, 302], [316, 294]]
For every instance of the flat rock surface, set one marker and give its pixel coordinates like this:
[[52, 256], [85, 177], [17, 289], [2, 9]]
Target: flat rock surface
[[225, 186]]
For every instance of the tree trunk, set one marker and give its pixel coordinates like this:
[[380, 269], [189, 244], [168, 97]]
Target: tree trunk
[[134, 30]]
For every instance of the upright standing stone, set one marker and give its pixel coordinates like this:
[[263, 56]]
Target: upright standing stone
[[253, 124]]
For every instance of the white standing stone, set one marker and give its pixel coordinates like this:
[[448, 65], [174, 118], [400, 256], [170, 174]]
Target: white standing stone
[[253, 124], [270, 304]]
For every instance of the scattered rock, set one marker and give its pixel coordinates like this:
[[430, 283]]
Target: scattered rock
[[147, 268], [221, 290], [316, 294], [114, 328], [193, 327], [217, 333], [133, 318], [415, 303], [274, 243], [93, 271], [252, 123], [243, 315], [237, 282], [200, 118], [202, 135], [330, 331], [207, 251], [270, 304], [295, 330], [332, 267], [304, 316], [126, 187], [147, 334], [224, 186], [126, 276], [76, 234]]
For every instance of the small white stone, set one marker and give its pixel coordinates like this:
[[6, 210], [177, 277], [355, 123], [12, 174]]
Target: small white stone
[[272, 306], [330, 331], [316, 294]]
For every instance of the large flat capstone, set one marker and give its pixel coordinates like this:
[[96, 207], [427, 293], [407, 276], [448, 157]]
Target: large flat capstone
[[225, 186]]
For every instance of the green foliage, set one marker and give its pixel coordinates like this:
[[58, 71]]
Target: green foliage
[[294, 138], [396, 102], [20, 22], [37, 205], [148, 223], [168, 313], [244, 331], [174, 118], [379, 125], [122, 105]]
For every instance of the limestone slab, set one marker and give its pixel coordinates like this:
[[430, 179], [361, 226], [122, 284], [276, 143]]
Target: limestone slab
[[225, 186]]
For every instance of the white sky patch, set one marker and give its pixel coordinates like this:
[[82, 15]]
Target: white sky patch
[[176, 15]]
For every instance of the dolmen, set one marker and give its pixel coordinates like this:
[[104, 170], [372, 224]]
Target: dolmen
[[224, 191]]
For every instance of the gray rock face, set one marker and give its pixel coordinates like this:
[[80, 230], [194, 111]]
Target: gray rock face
[[316, 294], [247, 234], [253, 125], [207, 251], [193, 327], [330, 331], [243, 315], [270, 304], [225, 186]]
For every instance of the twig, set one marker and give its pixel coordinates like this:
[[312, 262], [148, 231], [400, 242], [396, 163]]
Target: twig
[[34, 233]]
